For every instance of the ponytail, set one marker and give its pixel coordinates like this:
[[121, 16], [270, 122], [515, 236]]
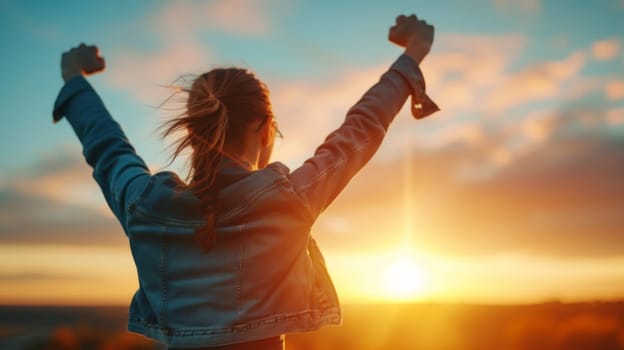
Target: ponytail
[[219, 103]]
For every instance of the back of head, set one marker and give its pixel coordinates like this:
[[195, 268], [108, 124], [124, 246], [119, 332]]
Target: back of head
[[222, 105]]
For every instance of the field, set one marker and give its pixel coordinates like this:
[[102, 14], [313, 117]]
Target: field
[[582, 326]]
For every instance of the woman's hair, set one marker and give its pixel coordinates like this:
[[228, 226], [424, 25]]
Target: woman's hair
[[220, 107]]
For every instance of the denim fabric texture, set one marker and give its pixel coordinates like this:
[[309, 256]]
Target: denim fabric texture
[[266, 276]]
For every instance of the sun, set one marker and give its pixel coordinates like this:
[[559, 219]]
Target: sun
[[404, 279]]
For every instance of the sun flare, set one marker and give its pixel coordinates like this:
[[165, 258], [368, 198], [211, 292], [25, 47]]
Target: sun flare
[[404, 279]]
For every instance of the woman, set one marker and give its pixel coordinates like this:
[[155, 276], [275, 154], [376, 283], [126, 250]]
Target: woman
[[226, 260]]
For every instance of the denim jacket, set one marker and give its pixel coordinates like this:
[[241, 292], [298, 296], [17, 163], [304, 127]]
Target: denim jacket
[[266, 276]]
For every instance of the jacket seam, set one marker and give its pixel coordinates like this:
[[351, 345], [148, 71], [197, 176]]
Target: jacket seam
[[302, 203], [138, 195], [338, 164], [132, 203], [166, 221], [129, 205], [163, 280], [241, 327], [253, 198], [136, 209], [241, 271]]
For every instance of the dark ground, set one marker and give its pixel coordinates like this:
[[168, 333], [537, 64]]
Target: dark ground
[[579, 326]]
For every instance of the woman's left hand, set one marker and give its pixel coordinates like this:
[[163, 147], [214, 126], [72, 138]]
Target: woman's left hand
[[81, 60]]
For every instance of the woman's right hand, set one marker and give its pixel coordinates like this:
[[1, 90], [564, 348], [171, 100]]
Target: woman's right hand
[[415, 35]]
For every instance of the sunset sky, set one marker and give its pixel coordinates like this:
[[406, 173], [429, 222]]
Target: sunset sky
[[513, 193]]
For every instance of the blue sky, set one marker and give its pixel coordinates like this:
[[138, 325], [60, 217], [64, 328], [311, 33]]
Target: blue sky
[[301, 40], [523, 162]]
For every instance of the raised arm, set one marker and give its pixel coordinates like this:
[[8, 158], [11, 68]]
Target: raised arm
[[346, 150], [118, 170]]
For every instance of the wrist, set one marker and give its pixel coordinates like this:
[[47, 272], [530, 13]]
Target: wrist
[[70, 68], [417, 50], [70, 72]]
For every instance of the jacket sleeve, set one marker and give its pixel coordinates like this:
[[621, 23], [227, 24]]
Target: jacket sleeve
[[347, 149], [118, 170]]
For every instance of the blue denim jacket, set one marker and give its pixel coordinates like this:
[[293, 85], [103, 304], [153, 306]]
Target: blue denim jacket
[[266, 275]]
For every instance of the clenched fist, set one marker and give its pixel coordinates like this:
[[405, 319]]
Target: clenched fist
[[81, 60], [415, 35]]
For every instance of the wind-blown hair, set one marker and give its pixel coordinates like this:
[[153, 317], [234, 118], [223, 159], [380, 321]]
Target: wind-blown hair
[[221, 105]]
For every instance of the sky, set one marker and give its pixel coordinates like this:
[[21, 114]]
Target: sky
[[512, 193]]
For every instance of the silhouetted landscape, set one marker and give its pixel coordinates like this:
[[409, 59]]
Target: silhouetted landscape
[[586, 326]]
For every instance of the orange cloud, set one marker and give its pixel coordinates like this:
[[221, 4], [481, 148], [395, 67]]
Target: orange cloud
[[538, 126], [615, 117], [35, 220], [580, 87], [143, 74], [468, 133], [462, 67], [63, 179], [538, 82], [240, 17], [605, 50], [469, 75], [615, 90], [181, 51]]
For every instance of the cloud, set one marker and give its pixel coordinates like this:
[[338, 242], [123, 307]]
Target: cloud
[[538, 82], [38, 276], [30, 219], [472, 76], [475, 74], [614, 90], [582, 86], [62, 176], [145, 74], [605, 50], [537, 127], [239, 17], [462, 67], [615, 117], [180, 49], [56, 201], [467, 133]]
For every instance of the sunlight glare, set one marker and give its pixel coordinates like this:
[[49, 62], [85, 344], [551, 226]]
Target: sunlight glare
[[404, 279]]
